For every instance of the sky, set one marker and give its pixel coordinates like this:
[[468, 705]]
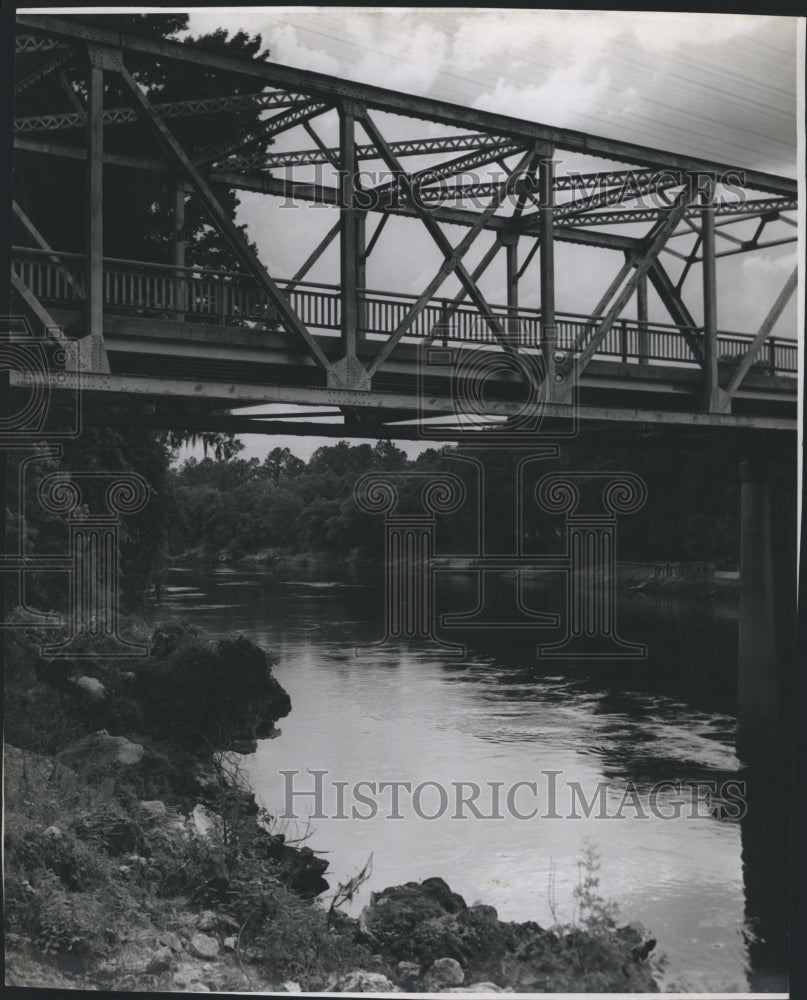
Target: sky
[[718, 86]]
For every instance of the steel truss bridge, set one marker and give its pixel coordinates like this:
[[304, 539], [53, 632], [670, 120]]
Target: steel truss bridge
[[382, 362]]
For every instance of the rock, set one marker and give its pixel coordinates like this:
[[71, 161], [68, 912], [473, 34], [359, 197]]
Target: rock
[[475, 988], [426, 922], [170, 940], [366, 982], [407, 971], [393, 914], [301, 869], [444, 972], [161, 961], [204, 822], [291, 987], [194, 986], [196, 685], [204, 946], [154, 808], [53, 833], [99, 750], [207, 921], [24, 770], [92, 687], [225, 920], [231, 942]]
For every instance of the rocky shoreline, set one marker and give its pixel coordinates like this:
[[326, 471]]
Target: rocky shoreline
[[137, 859]]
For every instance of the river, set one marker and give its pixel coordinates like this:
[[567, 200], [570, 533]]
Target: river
[[702, 884]]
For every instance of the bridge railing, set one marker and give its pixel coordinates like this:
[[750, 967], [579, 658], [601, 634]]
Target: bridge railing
[[235, 299]]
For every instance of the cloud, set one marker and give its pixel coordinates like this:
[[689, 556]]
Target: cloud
[[563, 100], [287, 48]]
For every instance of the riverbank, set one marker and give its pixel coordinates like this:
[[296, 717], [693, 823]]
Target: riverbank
[[650, 577], [136, 858]]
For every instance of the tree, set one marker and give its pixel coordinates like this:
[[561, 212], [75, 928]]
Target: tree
[[137, 225], [140, 226]]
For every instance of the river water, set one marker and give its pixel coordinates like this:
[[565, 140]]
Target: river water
[[703, 883]]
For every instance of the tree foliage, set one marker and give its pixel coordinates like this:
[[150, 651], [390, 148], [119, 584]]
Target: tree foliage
[[241, 506]]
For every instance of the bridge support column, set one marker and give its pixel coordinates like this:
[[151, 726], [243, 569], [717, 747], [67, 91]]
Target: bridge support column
[[767, 603], [96, 355], [549, 341]]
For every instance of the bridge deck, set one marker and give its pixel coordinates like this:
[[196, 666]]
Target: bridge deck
[[170, 334]]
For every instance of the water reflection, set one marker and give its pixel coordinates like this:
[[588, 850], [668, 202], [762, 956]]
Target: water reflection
[[713, 891]]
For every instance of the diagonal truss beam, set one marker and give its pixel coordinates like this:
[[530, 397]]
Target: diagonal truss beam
[[226, 227], [321, 194], [404, 147], [443, 171], [656, 241], [674, 304], [36, 306], [313, 257], [266, 130], [331, 156], [453, 257], [43, 244], [763, 333], [493, 250], [59, 59]]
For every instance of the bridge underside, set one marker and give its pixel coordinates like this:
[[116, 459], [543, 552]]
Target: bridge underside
[[205, 371], [205, 342]]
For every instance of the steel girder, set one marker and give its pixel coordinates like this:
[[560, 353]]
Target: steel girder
[[497, 138], [748, 209], [168, 109], [367, 151], [232, 235], [296, 115], [327, 88], [325, 195]]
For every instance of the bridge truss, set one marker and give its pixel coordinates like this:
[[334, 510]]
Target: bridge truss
[[217, 341]]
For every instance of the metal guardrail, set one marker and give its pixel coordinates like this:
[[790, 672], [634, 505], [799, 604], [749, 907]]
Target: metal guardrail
[[232, 298]]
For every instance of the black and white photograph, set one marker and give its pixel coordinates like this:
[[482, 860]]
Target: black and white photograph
[[401, 458]]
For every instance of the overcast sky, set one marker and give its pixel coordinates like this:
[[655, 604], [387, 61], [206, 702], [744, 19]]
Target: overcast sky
[[721, 87]]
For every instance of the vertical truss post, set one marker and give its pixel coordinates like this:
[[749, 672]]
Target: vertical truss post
[[510, 241], [710, 382], [549, 337], [349, 252], [178, 246], [641, 316], [95, 216], [361, 276]]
